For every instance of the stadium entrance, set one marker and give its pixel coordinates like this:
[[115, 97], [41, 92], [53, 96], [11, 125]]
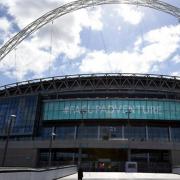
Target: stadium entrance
[[109, 160]]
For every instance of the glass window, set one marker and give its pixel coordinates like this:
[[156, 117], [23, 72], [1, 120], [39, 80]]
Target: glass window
[[78, 114], [45, 133], [108, 109], [61, 105], [56, 105], [158, 133], [61, 156], [24, 108], [65, 132], [115, 110], [110, 132], [56, 115], [51, 106], [93, 108], [66, 110], [101, 109], [104, 132], [139, 156], [175, 133], [44, 156], [135, 132], [125, 106], [50, 115], [173, 110], [115, 132], [119, 109], [167, 113], [87, 132], [159, 156]]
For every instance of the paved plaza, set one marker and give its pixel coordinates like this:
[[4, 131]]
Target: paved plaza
[[124, 176]]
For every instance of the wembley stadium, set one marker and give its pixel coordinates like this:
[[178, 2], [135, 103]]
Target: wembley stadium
[[92, 120]]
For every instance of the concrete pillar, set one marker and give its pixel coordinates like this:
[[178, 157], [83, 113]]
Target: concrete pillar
[[98, 133], [75, 132], [147, 133], [79, 156], [123, 132], [170, 135], [129, 154]]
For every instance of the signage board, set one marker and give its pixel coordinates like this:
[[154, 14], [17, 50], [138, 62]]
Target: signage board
[[149, 109]]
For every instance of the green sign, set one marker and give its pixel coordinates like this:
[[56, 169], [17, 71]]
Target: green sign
[[111, 109]]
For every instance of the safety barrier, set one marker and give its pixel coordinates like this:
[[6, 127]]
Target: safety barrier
[[37, 174]]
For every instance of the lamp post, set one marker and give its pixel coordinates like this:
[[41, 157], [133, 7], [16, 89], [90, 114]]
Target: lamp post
[[12, 118], [52, 135], [128, 112], [82, 111]]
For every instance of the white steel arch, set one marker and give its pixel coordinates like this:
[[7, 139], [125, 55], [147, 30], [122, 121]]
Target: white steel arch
[[79, 4]]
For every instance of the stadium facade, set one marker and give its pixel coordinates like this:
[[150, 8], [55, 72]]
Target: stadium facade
[[92, 119]]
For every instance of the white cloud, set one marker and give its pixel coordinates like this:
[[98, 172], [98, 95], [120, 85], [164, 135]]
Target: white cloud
[[5, 28], [99, 61], [161, 44], [176, 59], [155, 68], [35, 52], [27, 11], [26, 59], [130, 14], [163, 41], [23, 16], [91, 18], [175, 74], [119, 28], [4, 24]]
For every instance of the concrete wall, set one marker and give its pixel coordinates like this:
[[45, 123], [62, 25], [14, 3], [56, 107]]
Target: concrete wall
[[175, 154], [91, 143], [25, 153], [43, 174], [20, 157]]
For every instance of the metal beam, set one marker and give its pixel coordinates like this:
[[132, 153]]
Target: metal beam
[[76, 5], [96, 83]]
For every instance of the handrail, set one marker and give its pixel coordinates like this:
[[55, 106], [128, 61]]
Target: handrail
[[19, 169]]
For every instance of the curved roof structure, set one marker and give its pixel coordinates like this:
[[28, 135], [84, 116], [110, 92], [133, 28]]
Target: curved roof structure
[[97, 83]]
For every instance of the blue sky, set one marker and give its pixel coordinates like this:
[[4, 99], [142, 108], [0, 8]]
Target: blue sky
[[103, 39]]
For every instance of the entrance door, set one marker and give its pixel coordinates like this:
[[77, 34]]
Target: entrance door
[[104, 165], [106, 159]]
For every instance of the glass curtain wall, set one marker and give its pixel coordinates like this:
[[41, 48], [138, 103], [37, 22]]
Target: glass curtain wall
[[65, 132], [135, 132], [24, 108], [138, 133], [99, 109], [111, 132], [87, 132], [158, 133], [175, 133]]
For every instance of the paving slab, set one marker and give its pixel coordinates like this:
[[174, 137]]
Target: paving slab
[[124, 176]]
